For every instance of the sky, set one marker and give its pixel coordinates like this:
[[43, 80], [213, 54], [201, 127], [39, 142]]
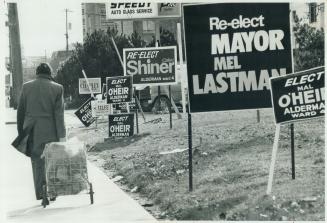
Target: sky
[[42, 25]]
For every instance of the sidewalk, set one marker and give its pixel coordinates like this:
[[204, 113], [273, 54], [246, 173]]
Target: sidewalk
[[110, 202]]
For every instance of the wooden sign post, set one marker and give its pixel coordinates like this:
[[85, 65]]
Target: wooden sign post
[[181, 63], [273, 159], [90, 89], [122, 64], [136, 113]]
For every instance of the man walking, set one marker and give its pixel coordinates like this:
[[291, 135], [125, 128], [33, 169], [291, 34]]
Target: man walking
[[41, 108]]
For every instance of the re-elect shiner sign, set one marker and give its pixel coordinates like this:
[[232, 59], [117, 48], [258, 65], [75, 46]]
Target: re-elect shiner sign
[[151, 66], [299, 96], [232, 50]]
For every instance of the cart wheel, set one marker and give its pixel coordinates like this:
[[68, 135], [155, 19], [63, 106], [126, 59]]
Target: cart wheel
[[45, 201], [91, 193]]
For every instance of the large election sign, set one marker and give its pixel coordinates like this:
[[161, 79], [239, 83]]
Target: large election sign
[[84, 113], [232, 50], [152, 65], [119, 89], [121, 125], [299, 96], [100, 108], [141, 10], [95, 84]]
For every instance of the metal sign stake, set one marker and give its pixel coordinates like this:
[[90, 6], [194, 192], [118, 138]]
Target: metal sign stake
[[292, 151], [190, 167]]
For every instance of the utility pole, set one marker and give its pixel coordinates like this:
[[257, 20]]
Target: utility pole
[[15, 52], [66, 11]]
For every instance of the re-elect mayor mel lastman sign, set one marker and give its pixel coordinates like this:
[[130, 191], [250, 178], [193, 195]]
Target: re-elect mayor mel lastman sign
[[299, 96], [232, 50], [152, 65]]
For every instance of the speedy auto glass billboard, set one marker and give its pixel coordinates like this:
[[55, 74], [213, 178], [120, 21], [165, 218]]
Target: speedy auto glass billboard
[[232, 50], [141, 10]]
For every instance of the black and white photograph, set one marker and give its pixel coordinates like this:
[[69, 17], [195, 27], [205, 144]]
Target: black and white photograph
[[154, 111]]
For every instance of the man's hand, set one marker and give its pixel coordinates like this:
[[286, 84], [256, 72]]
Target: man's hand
[[62, 139]]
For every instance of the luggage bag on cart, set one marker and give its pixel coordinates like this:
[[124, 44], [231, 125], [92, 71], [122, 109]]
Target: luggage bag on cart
[[66, 170]]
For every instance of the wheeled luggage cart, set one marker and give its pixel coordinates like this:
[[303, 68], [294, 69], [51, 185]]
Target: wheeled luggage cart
[[66, 170]]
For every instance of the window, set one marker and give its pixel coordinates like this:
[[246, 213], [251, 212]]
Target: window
[[312, 12], [148, 26]]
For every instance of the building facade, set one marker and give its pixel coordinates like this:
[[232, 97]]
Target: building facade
[[312, 14], [160, 26]]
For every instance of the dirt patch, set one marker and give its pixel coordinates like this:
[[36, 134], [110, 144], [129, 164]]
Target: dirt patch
[[231, 159], [113, 143]]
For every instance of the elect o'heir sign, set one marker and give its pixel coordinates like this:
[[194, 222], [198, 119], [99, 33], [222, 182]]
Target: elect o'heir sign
[[232, 50], [84, 113], [119, 89], [152, 65], [299, 96], [121, 125]]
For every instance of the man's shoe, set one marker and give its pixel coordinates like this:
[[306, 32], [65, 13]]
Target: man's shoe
[[45, 202], [53, 198]]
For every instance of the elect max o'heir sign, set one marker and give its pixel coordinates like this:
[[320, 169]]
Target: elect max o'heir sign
[[232, 50], [119, 89], [152, 65], [121, 125], [299, 96], [84, 113]]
